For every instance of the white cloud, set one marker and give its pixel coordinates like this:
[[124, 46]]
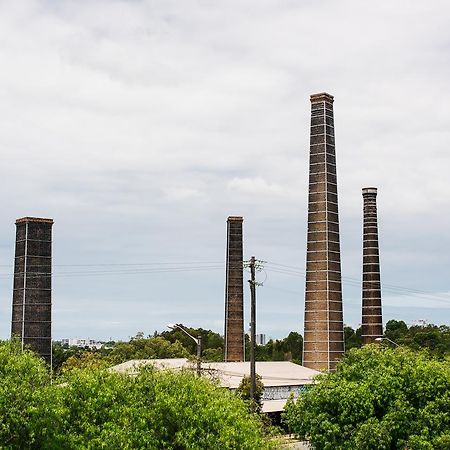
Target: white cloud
[[432, 300], [181, 194], [140, 126], [254, 187]]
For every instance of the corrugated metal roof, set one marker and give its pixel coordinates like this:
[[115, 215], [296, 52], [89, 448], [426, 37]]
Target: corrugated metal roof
[[230, 374]]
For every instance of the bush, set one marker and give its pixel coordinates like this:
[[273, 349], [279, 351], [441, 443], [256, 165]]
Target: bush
[[155, 410], [378, 398], [94, 408], [29, 406]]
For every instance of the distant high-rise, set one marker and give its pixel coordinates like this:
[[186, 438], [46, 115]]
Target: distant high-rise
[[32, 293], [324, 330], [372, 320], [260, 339], [234, 292]]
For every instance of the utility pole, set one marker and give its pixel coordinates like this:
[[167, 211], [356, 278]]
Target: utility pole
[[252, 282], [254, 265]]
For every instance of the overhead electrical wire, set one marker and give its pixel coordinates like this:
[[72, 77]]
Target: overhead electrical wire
[[164, 268], [295, 271], [193, 266]]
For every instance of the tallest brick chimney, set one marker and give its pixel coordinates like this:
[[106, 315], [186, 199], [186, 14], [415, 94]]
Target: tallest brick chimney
[[234, 292], [323, 337]]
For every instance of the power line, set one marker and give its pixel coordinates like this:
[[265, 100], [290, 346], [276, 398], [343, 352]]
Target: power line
[[116, 272], [295, 271], [129, 264], [137, 268], [157, 267]]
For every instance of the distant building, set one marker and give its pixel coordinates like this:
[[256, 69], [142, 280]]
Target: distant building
[[82, 343], [281, 379], [260, 339]]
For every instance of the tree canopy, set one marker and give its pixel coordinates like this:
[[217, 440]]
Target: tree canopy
[[434, 338], [378, 398], [27, 404], [155, 410], [94, 408], [286, 349], [244, 389], [147, 348]]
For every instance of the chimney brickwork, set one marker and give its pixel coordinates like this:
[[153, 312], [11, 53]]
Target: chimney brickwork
[[234, 292], [372, 323], [32, 291], [323, 336]]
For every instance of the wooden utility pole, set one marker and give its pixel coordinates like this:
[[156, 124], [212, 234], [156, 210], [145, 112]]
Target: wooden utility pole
[[252, 282]]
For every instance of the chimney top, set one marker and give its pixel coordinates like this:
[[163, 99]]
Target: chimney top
[[34, 220], [369, 190], [235, 219], [321, 97]]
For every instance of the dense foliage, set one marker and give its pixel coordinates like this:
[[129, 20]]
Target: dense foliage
[[168, 344], [155, 410], [286, 349], [434, 338], [243, 392], [150, 348], [352, 337], [176, 344], [94, 408], [26, 399], [379, 398]]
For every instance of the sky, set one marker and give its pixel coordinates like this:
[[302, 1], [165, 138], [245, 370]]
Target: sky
[[140, 126]]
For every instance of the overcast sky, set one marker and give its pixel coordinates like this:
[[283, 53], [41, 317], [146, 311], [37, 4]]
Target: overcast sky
[[139, 126]]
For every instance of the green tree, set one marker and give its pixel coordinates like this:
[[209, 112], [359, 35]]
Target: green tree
[[293, 347], [29, 406], [433, 338], [213, 354], [352, 338], [210, 339], [95, 408], [378, 398], [287, 349], [60, 354], [139, 335], [155, 410], [243, 392], [150, 348], [85, 360], [396, 330]]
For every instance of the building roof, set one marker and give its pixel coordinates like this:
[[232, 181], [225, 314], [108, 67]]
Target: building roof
[[230, 374], [132, 367], [273, 373]]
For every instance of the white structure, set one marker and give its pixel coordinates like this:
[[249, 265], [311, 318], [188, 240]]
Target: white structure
[[280, 378], [91, 343], [260, 339]]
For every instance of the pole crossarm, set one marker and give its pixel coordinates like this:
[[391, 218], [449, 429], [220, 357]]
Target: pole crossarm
[[258, 266]]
